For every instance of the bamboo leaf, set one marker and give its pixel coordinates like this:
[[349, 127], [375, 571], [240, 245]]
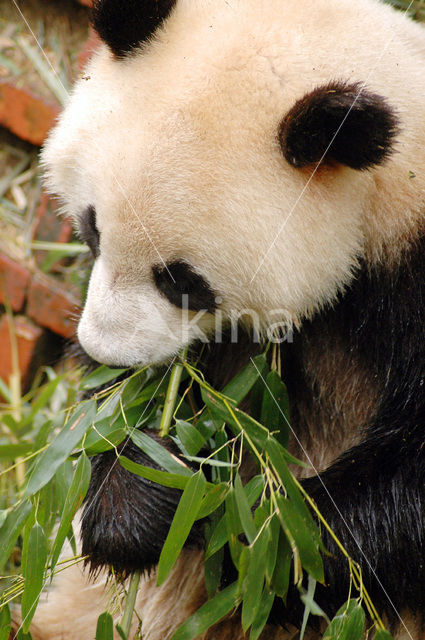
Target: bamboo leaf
[[262, 616], [348, 623], [383, 634], [102, 375], [233, 526], [5, 621], [212, 500], [244, 510], [61, 447], [12, 526], [292, 520], [239, 387], [160, 477], [106, 436], [190, 437], [282, 569], [219, 536], [185, 516], [34, 555], [272, 550], [12, 451], [159, 453], [275, 451], [74, 499], [105, 627], [254, 581], [275, 408], [208, 615]]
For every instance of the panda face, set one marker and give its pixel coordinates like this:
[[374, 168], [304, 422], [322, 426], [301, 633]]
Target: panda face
[[189, 166]]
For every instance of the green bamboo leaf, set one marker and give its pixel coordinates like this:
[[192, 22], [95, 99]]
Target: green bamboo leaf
[[160, 477], [282, 569], [155, 389], [105, 627], [190, 437], [233, 526], [105, 437], [244, 560], [294, 521], [244, 510], [254, 581], [131, 393], [272, 550], [121, 633], [159, 453], [275, 408], [12, 526], [74, 498], [61, 447], [12, 451], [63, 478], [310, 606], [208, 615], [212, 572], [185, 516], [42, 400], [5, 621], [42, 435], [219, 536], [100, 376], [239, 387], [348, 623], [383, 634], [211, 462], [276, 453], [263, 613], [34, 556], [212, 500], [235, 418]]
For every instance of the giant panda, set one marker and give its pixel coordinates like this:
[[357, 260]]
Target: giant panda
[[264, 155]]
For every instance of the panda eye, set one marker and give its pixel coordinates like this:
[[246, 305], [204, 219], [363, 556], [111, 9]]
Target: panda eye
[[88, 231], [178, 279]]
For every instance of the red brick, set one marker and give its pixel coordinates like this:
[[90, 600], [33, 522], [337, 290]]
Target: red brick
[[14, 281], [27, 337], [51, 227], [51, 307], [26, 115], [48, 224]]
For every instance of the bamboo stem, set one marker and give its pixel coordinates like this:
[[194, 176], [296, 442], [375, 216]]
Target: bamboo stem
[[170, 398], [130, 603]]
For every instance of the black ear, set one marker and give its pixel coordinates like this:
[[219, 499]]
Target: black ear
[[125, 24], [339, 122]]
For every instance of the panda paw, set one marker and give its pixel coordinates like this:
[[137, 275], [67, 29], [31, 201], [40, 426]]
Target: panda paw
[[126, 518]]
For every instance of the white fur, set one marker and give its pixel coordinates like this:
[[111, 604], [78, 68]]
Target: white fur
[[177, 150]]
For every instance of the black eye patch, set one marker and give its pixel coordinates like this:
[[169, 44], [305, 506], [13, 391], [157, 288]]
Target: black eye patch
[[87, 230], [178, 279]]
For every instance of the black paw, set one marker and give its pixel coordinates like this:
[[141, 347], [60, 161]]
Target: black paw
[[126, 518]]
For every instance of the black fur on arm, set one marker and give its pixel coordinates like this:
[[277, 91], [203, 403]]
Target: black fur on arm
[[373, 496], [374, 500], [126, 518], [339, 122]]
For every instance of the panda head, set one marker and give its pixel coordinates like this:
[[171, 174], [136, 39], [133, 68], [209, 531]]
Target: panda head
[[225, 156]]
